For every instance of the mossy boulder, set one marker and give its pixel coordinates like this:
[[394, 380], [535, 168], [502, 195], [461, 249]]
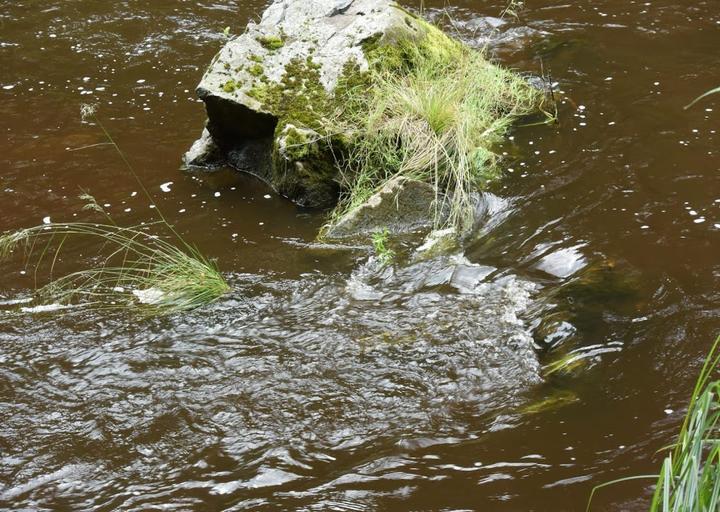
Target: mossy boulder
[[282, 78], [329, 101]]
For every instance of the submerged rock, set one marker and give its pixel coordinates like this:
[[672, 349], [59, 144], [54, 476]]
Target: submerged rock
[[276, 82], [401, 206]]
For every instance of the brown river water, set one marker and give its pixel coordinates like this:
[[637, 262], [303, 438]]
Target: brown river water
[[321, 383]]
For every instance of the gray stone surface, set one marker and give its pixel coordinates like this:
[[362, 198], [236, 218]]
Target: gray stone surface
[[401, 206], [204, 152], [331, 33]]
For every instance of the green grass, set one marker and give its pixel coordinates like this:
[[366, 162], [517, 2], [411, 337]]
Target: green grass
[[380, 244], [136, 268], [702, 97], [435, 111], [689, 480]]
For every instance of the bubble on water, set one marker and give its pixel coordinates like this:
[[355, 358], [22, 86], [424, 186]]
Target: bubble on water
[[165, 187], [699, 220], [217, 194], [8, 87], [47, 220], [267, 196]]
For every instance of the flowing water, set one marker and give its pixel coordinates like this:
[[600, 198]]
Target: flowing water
[[325, 381]]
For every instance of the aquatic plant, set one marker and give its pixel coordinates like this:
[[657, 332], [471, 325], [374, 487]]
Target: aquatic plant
[[384, 253], [689, 479], [702, 97], [513, 8], [434, 111], [136, 268]]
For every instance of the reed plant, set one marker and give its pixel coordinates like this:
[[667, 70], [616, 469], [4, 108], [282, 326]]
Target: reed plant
[[689, 480], [149, 268]]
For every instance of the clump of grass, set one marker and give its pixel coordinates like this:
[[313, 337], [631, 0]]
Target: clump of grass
[[690, 476], [434, 112], [137, 269], [382, 251]]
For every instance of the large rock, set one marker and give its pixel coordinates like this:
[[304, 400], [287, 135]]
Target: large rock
[[401, 206], [267, 91]]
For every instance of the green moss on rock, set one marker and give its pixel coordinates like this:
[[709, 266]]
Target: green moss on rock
[[298, 99], [256, 70], [230, 86], [271, 43]]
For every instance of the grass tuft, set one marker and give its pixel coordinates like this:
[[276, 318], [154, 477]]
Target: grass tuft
[[136, 269], [434, 112]]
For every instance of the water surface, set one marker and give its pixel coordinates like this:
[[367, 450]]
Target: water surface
[[324, 382]]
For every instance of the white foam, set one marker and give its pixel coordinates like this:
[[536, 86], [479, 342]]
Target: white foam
[[45, 308], [149, 296]]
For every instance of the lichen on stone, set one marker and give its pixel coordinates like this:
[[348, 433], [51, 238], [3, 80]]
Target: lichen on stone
[[298, 99]]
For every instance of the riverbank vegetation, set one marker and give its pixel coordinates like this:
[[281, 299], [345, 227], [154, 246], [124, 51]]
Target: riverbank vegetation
[[149, 268], [689, 478]]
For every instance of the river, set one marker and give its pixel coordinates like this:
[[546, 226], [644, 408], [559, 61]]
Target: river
[[321, 383]]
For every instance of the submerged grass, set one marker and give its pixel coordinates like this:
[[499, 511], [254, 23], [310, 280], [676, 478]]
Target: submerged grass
[[434, 112], [690, 476], [138, 269]]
